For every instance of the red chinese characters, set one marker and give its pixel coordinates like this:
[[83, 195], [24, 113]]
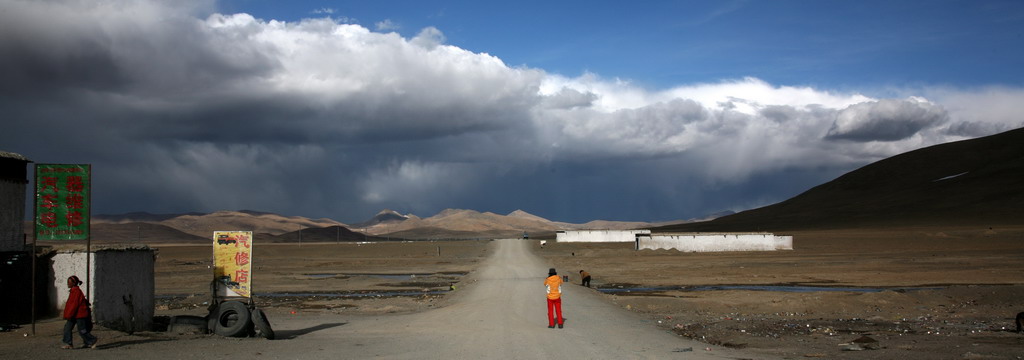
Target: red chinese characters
[[75, 184], [62, 201], [241, 258], [48, 219], [242, 276], [48, 183], [75, 201]]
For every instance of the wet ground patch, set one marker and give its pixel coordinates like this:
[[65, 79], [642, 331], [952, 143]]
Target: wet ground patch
[[450, 275], [626, 289]]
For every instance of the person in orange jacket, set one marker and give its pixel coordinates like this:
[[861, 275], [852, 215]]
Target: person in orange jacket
[[77, 313], [554, 288]]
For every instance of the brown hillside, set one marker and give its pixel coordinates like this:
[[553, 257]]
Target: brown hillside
[[142, 233], [324, 234], [977, 182], [457, 223], [205, 225]]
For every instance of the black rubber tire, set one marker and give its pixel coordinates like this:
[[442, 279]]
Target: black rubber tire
[[211, 322], [233, 319], [263, 329]]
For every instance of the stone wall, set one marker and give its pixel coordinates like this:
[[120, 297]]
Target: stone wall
[[121, 285]]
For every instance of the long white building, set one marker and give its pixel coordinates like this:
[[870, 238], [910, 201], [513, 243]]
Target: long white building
[[710, 242], [599, 235]]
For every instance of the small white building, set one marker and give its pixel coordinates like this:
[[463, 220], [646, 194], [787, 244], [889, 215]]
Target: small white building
[[598, 235], [711, 242], [121, 286]]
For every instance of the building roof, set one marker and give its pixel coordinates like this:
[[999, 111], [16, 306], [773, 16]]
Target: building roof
[[15, 156]]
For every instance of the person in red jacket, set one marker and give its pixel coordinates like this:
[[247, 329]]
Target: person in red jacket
[[77, 313], [553, 284]]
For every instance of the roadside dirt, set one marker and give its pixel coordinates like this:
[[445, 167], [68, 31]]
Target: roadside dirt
[[369, 278]]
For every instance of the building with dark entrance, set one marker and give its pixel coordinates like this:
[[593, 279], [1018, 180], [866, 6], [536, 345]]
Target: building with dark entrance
[[15, 261]]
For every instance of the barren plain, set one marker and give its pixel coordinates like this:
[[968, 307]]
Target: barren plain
[[899, 293]]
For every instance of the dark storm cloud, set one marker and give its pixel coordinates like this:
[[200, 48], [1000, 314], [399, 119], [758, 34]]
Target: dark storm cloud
[[886, 120], [179, 110]]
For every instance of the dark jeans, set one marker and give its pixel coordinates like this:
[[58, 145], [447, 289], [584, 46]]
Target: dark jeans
[[586, 281], [84, 329]]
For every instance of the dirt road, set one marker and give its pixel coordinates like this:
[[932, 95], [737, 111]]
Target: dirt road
[[500, 313]]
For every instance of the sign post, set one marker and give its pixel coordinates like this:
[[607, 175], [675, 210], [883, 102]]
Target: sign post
[[232, 263], [63, 203]]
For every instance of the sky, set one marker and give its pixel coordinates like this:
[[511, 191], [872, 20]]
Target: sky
[[569, 110]]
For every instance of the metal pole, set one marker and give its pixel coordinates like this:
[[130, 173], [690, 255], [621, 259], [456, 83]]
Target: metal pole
[[33, 282], [35, 238], [88, 265], [88, 238]]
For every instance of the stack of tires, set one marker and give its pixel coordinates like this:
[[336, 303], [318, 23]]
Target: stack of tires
[[235, 319]]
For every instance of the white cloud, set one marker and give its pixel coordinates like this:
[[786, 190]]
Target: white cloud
[[386, 25], [348, 120], [324, 11], [980, 112]]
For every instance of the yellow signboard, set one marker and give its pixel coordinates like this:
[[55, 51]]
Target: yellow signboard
[[232, 262]]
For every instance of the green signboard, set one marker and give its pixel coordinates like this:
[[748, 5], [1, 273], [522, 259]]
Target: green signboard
[[62, 201]]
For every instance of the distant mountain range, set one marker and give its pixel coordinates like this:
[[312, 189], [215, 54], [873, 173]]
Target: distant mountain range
[[470, 223], [386, 225], [977, 182]]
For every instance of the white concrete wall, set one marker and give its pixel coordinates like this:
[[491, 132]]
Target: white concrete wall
[[115, 275], [783, 242], [710, 242], [598, 235], [12, 215]]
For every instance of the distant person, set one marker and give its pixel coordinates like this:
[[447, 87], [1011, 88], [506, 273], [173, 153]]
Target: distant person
[[77, 313], [586, 278], [553, 284]]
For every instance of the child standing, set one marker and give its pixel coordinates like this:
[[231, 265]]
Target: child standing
[[554, 289]]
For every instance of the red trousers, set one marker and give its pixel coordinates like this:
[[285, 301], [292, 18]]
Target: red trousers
[[554, 307]]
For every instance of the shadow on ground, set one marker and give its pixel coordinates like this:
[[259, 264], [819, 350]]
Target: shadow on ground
[[291, 334], [118, 344]]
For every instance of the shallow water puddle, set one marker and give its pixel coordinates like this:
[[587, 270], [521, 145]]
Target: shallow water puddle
[[386, 276], [354, 294], [362, 294], [778, 288]]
